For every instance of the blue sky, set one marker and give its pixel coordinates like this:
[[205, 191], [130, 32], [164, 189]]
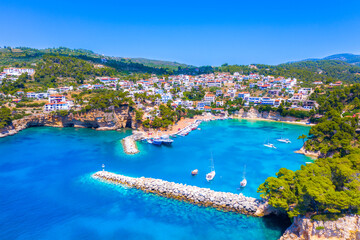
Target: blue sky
[[193, 32]]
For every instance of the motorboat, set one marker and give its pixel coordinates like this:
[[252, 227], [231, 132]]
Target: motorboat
[[269, 145], [284, 140]]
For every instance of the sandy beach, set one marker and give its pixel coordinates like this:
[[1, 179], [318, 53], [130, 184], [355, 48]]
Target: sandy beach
[[183, 123]]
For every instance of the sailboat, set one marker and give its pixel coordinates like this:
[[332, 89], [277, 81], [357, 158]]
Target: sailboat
[[281, 139], [210, 176], [244, 181], [269, 145]]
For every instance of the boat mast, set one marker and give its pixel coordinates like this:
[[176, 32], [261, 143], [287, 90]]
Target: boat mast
[[212, 162], [244, 171]]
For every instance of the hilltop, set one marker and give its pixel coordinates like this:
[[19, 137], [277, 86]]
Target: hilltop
[[25, 55], [345, 57]]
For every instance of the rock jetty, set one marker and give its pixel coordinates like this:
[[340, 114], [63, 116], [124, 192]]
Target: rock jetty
[[199, 196], [129, 145]]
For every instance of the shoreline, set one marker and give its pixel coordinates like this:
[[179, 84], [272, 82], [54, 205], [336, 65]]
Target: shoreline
[[273, 120], [313, 155]]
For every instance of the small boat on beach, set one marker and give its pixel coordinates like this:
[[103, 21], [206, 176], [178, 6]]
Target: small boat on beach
[[194, 172]]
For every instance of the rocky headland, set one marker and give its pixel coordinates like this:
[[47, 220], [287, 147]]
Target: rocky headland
[[96, 119], [345, 228]]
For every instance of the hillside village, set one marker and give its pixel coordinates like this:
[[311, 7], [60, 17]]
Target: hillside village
[[218, 92]]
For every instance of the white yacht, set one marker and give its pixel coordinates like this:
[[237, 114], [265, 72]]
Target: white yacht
[[269, 145], [210, 176], [284, 140], [243, 183]]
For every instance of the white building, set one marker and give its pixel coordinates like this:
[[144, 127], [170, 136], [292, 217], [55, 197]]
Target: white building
[[209, 97], [56, 106], [31, 95], [2, 75], [166, 97], [18, 71], [106, 80], [56, 98]]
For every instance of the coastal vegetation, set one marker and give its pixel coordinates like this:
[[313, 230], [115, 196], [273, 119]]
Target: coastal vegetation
[[107, 100], [337, 122], [52, 68], [329, 186], [5, 117], [326, 71]]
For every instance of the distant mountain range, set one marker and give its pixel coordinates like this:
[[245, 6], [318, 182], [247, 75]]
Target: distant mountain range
[[345, 57]]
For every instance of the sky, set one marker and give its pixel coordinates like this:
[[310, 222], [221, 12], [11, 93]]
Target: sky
[[192, 32]]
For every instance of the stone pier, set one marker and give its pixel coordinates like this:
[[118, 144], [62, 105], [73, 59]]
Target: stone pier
[[129, 145], [224, 201]]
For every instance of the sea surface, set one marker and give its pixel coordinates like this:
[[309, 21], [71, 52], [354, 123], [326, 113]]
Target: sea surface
[[46, 189]]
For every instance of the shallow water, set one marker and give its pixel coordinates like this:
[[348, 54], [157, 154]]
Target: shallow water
[[47, 192]]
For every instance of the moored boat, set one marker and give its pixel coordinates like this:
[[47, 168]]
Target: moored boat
[[284, 140], [166, 140], [281, 139], [210, 176], [243, 183], [269, 145], [156, 141], [194, 172]]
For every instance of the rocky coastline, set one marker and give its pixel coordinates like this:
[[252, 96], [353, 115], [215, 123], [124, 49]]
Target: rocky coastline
[[303, 228], [199, 196], [100, 120], [309, 153], [254, 114], [117, 119]]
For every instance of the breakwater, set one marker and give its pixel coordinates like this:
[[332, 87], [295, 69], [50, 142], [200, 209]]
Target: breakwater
[[129, 143], [199, 196]]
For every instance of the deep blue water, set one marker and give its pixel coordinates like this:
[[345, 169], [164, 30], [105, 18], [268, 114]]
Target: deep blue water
[[46, 191]]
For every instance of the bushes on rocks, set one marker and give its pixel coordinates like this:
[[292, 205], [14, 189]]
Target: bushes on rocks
[[328, 186]]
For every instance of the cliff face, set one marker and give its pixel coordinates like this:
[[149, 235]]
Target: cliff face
[[100, 120], [346, 228], [254, 114]]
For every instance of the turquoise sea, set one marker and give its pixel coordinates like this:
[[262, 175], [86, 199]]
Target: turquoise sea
[[46, 189]]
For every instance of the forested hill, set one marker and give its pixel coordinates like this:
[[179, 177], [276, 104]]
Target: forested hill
[[345, 57], [326, 71], [309, 71], [23, 56]]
